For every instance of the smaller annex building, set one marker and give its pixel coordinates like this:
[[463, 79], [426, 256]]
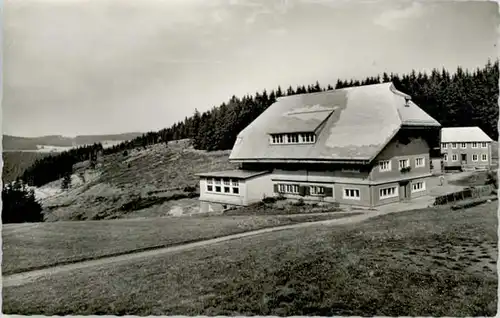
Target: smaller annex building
[[221, 189], [465, 148]]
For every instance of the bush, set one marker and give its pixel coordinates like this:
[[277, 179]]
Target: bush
[[492, 178], [269, 199], [189, 189], [19, 205]]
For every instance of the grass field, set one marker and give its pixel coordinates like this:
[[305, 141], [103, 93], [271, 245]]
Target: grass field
[[433, 262], [29, 246]]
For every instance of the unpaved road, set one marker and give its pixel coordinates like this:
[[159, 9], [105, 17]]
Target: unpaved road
[[26, 277]]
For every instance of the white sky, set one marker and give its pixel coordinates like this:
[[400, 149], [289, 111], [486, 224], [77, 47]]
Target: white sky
[[110, 66]]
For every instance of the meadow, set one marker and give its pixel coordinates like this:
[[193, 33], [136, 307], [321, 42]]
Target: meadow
[[431, 262]]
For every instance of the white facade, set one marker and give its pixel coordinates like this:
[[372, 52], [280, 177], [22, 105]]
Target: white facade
[[218, 193]]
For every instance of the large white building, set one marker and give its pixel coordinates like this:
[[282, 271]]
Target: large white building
[[364, 146]]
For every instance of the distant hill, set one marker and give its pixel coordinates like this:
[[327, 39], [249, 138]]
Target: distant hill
[[15, 143]]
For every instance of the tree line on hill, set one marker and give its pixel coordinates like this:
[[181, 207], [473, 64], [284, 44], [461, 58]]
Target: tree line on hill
[[54, 167], [465, 98]]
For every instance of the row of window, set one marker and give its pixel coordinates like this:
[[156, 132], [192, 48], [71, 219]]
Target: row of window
[[386, 165], [302, 138], [475, 157], [463, 145], [351, 193], [295, 189], [224, 185]]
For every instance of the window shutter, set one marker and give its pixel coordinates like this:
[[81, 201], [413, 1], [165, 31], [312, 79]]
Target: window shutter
[[308, 191], [275, 188], [328, 192], [302, 190]]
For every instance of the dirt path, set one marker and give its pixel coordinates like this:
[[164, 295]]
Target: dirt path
[[26, 277]]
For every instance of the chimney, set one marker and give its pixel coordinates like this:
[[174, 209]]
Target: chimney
[[407, 101]]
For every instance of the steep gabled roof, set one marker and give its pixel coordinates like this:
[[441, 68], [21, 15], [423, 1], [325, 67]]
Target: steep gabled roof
[[356, 124], [464, 134]]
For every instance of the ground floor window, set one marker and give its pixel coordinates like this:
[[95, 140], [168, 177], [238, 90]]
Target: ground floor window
[[445, 157], [352, 194], [390, 192], [474, 157], [454, 158], [288, 188], [418, 186], [229, 185], [315, 190], [484, 157]]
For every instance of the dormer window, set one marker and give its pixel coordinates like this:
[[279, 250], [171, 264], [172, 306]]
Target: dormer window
[[293, 138]]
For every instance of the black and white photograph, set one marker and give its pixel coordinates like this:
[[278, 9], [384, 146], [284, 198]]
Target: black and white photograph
[[250, 158]]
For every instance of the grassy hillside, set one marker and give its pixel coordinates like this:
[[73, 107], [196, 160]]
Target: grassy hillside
[[153, 180], [29, 246], [433, 262]]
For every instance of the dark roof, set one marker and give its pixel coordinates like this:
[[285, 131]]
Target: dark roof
[[356, 123], [236, 174]]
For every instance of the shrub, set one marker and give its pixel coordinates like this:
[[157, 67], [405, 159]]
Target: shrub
[[492, 178], [189, 189], [19, 205], [269, 199]]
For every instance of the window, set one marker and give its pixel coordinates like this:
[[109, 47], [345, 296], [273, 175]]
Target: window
[[463, 145], [444, 146], [419, 162], [352, 194], [227, 182], [475, 157], [484, 157], [454, 158], [217, 189], [235, 183], [445, 157], [210, 181], [388, 192], [484, 145], [454, 145], [277, 139], [404, 163], [292, 138], [307, 137], [418, 186], [315, 190], [210, 188], [384, 165], [288, 188], [227, 190], [217, 181], [474, 145]]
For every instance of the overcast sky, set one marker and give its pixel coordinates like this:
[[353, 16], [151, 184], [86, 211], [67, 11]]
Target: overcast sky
[[110, 66]]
